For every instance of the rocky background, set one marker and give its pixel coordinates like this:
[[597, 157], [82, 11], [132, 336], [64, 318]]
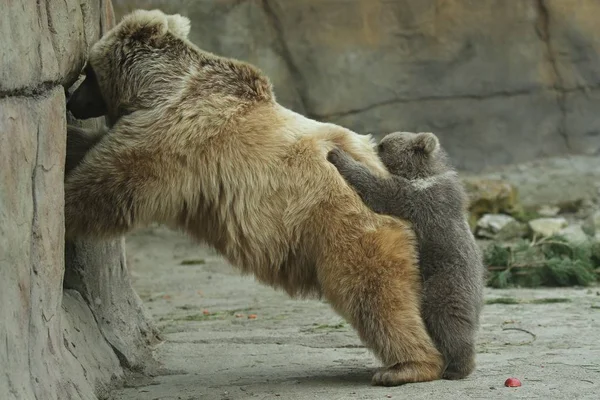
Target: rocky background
[[510, 87], [71, 324], [500, 82]]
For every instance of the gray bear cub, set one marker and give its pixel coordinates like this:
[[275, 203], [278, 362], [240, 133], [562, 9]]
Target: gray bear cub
[[425, 190]]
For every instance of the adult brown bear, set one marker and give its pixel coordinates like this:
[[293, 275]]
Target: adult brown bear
[[199, 143]]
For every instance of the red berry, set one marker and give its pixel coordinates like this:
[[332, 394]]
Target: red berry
[[512, 382]]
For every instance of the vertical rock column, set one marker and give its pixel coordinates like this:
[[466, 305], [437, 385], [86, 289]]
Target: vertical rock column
[[62, 336]]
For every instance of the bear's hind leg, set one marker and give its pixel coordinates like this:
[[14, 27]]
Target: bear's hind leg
[[393, 327], [378, 289]]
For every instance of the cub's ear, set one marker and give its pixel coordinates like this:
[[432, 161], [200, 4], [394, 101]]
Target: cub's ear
[[426, 142], [143, 25], [179, 25]]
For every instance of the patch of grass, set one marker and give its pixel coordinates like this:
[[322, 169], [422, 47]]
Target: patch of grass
[[195, 261], [549, 300], [546, 262], [524, 215], [514, 300], [217, 315], [503, 300], [187, 307], [327, 327], [198, 317], [341, 325]]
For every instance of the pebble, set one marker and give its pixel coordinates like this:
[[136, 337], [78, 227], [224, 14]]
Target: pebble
[[548, 211], [574, 234], [500, 227], [547, 226]]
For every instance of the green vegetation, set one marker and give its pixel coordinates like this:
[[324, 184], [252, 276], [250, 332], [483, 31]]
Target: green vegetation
[[545, 262], [326, 327], [524, 215], [514, 300], [198, 261], [207, 316]]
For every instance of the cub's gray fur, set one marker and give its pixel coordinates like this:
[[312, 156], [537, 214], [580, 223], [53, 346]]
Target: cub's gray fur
[[425, 190]]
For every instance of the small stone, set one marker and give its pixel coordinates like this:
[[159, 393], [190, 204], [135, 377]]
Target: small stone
[[547, 226], [548, 211], [573, 234], [493, 223], [489, 196], [500, 227], [571, 206], [592, 224]]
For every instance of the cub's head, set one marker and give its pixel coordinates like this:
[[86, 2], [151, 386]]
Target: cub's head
[[133, 65], [412, 155]]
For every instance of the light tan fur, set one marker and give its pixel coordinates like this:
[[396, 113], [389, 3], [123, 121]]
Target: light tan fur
[[200, 144]]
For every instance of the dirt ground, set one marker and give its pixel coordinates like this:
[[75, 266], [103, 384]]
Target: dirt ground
[[228, 337]]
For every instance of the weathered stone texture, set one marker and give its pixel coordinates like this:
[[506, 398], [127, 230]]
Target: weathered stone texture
[[499, 81], [55, 344]]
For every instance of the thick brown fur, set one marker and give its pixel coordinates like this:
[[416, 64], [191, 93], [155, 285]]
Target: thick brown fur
[[200, 144], [79, 142], [424, 189]]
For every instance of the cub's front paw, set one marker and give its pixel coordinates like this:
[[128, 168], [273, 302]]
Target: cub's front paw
[[335, 155]]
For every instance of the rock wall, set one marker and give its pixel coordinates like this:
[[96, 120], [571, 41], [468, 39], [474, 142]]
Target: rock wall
[[499, 81], [61, 338]]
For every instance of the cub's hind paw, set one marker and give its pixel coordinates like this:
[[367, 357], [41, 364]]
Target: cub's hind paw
[[454, 372]]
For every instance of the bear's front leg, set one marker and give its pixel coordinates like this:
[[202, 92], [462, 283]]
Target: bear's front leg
[[115, 188], [79, 142]]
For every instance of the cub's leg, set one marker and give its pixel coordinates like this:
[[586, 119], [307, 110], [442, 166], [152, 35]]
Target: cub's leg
[[377, 286], [374, 191], [451, 319], [79, 142]]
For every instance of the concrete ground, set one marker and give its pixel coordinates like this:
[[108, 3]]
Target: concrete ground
[[228, 337]]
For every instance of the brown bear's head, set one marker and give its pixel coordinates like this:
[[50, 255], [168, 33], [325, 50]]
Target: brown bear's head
[[146, 62], [133, 65]]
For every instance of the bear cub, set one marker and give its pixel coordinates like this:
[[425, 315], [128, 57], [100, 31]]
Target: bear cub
[[425, 190]]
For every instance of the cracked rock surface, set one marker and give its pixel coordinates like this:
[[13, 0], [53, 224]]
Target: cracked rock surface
[[62, 336], [499, 81]]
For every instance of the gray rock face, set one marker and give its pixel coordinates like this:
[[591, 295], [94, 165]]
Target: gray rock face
[[56, 344], [498, 81]]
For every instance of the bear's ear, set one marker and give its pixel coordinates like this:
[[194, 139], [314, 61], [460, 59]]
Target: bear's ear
[[426, 142], [179, 25], [143, 24]]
